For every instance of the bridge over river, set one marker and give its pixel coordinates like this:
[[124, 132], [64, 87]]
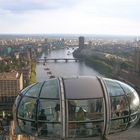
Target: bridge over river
[[42, 60]]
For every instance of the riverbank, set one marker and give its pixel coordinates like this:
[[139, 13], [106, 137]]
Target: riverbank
[[96, 61], [110, 68]]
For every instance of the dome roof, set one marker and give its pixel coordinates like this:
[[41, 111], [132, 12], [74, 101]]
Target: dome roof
[[76, 107]]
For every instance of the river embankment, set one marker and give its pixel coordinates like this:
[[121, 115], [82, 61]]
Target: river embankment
[[111, 68], [96, 60]]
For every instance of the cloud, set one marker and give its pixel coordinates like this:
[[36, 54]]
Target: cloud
[[31, 5], [68, 22], [70, 16], [112, 8]]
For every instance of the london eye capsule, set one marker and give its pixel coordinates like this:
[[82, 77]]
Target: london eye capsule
[[76, 107]]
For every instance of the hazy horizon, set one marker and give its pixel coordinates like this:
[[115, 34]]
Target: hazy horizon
[[109, 17], [69, 36]]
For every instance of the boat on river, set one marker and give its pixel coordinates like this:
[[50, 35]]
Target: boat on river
[[49, 72], [68, 53], [46, 69], [52, 76]]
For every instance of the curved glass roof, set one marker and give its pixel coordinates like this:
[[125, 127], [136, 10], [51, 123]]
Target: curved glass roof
[[76, 107], [83, 87]]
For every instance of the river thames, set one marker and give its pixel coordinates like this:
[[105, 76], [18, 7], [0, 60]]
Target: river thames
[[62, 68]]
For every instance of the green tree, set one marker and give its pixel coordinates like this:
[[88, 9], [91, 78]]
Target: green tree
[[33, 73]]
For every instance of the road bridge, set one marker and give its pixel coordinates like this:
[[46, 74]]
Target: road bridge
[[56, 59]]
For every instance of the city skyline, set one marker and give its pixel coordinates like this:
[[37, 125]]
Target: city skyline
[[70, 17]]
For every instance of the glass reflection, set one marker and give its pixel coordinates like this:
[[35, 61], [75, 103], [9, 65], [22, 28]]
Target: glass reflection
[[35, 90], [42, 127], [51, 109], [50, 130], [26, 89], [50, 89], [15, 105], [27, 108], [124, 104], [49, 118], [85, 117], [27, 127], [132, 96], [113, 88], [119, 113]]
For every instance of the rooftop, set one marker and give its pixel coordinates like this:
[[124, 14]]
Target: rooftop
[[9, 75]]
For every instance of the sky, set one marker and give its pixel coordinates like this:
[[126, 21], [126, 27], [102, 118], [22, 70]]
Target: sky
[[110, 17]]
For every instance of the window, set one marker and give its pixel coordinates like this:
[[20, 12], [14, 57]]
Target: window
[[49, 118], [27, 108], [50, 89], [119, 106], [119, 113], [85, 117], [34, 91]]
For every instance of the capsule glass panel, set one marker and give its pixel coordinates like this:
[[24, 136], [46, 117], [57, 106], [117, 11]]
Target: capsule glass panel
[[27, 127], [86, 117], [16, 105], [85, 88], [27, 108], [34, 90], [50, 89], [26, 89], [134, 102], [49, 118], [119, 106], [132, 96]]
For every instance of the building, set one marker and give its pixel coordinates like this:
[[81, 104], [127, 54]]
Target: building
[[10, 85], [81, 42], [26, 76], [137, 57]]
